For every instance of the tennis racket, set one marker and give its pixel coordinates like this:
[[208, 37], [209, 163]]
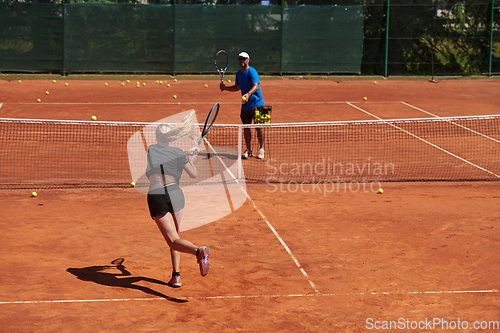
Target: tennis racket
[[221, 61], [214, 111]]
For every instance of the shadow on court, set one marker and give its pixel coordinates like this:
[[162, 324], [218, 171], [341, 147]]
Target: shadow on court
[[98, 274]]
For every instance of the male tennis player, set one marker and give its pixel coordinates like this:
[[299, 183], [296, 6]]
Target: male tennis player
[[165, 167], [247, 81]]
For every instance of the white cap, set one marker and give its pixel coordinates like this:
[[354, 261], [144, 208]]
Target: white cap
[[244, 55]]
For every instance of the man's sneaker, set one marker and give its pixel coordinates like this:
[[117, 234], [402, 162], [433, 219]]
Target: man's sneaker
[[203, 254], [262, 154], [247, 154], [175, 282]]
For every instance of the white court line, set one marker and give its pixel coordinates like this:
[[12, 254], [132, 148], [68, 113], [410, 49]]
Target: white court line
[[189, 103], [425, 141], [267, 222], [443, 292], [451, 122]]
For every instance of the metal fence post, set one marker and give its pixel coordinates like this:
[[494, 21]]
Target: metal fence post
[[387, 38]]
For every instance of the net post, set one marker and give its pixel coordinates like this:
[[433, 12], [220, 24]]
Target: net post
[[240, 137]]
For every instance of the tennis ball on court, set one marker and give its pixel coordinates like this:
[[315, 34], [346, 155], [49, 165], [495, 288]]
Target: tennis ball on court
[[380, 191], [54, 81], [206, 85], [132, 184], [66, 84], [161, 82], [229, 81], [168, 84], [128, 81], [93, 118], [374, 82], [175, 96], [157, 81], [46, 93], [138, 83], [20, 81], [365, 98], [39, 100], [175, 80], [123, 84], [105, 83], [144, 84], [34, 194]]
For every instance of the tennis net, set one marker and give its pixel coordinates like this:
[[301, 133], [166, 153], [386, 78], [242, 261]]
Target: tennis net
[[39, 154]]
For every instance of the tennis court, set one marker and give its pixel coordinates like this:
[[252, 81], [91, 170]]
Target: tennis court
[[297, 257]]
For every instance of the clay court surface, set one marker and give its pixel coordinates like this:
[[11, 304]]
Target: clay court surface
[[291, 261]]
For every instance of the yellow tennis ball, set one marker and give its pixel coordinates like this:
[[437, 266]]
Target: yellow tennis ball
[[168, 84], [157, 81], [175, 80], [132, 184], [380, 191], [206, 85], [105, 83], [123, 84], [128, 81], [243, 98], [66, 84], [175, 96], [54, 81], [20, 81], [144, 84], [46, 93], [365, 98], [374, 82], [34, 194], [93, 118], [39, 100], [229, 81]]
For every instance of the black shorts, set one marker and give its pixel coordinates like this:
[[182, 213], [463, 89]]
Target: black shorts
[[161, 203], [247, 116]]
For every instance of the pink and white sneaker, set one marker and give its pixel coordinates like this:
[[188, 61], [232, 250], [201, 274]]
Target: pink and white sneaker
[[203, 254]]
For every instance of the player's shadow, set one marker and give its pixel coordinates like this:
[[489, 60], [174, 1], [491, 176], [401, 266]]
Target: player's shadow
[[123, 279]]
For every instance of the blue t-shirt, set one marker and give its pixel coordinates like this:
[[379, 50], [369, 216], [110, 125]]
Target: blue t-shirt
[[246, 80]]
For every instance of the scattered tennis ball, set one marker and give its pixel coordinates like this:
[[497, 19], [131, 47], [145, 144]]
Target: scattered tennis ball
[[138, 83], [374, 82], [34, 194], [175, 96], [66, 84], [105, 83], [168, 84], [380, 191], [20, 81], [132, 184], [93, 118], [365, 98], [175, 80], [161, 82], [157, 81], [128, 81], [39, 100], [123, 84], [54, 81], [144, 84], [46, 93], [206, 85], [229, 81]]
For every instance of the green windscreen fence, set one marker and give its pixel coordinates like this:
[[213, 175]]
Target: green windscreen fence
[[91, 37]]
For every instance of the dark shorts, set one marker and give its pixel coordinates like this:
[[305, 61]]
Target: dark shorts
[[160, 203], [247, 116]]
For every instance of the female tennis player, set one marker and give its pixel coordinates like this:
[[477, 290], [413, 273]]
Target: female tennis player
[[165, 167]]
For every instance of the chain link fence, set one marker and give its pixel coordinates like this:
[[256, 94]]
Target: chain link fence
[[408, 37]]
